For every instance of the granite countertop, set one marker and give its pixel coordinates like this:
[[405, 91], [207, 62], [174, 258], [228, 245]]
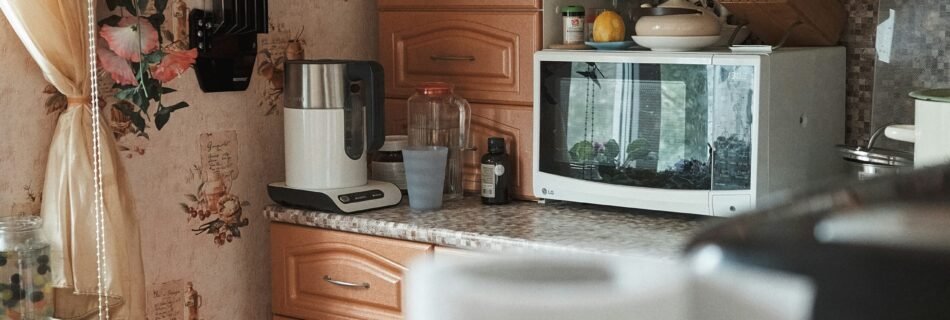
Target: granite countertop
[[519, 226]]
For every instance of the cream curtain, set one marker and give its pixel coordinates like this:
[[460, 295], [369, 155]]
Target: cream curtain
[[55, 34]]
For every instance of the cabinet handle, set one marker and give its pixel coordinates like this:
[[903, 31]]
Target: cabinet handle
[[452, 58], [363, 285]]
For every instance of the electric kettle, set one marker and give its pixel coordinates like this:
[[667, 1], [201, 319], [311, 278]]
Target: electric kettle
[[333, 117]]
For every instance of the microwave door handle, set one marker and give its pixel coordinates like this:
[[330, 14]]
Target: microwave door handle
[[712, 164]]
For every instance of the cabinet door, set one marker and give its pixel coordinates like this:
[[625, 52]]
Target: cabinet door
[[397, 116], [322, 274], [515, 125], [487, 55]]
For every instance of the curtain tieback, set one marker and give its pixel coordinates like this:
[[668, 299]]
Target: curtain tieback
[[79, 101]]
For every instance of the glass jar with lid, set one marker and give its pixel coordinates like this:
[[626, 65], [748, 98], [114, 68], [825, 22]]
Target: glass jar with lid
[[26, 288], [439, 117]]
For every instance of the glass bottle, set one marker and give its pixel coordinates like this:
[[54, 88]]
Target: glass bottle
[[496, 173], [439, 117], [26, 288]]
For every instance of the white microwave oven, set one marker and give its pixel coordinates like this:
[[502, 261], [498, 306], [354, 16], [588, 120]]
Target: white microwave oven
[[707, 133]]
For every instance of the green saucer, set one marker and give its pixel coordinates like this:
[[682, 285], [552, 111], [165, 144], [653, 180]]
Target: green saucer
[[937, 95]]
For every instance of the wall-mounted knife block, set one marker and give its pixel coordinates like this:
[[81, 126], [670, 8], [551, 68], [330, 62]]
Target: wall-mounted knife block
[[226, 39]]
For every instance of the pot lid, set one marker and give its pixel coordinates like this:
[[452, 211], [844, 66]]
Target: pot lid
[[900, 225], [938, 95], [879, 156], [395, 143]]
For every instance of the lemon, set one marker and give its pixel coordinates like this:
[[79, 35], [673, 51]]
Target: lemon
[[609, 27]]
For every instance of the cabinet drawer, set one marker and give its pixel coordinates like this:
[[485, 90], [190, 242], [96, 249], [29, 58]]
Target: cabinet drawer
[[322, 274], [486, 55], [445, 254], [458, 4]]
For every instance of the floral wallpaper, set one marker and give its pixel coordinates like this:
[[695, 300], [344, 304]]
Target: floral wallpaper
[[216, 209], [197, 164], [138, 55], [277, 47]]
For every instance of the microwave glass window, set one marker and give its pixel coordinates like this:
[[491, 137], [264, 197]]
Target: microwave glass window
[[646, 125]]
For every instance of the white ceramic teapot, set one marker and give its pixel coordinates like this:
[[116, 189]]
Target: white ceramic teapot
[[931, 132], [705, 23]]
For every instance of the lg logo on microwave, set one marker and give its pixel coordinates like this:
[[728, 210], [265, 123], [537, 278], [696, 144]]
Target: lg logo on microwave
[[547, 192]]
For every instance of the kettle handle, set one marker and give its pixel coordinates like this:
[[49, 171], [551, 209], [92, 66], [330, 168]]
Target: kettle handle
[[371, 73]]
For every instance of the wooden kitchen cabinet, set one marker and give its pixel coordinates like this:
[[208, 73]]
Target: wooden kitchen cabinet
[[486, 55], [323, 274], [458, 4], [485, 49]]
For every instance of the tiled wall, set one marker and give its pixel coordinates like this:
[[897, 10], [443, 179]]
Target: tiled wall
[[915, 56], [859, 38]]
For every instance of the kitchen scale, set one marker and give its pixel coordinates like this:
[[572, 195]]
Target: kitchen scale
[[328, 131]]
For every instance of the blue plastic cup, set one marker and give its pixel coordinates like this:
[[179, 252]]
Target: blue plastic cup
[[425, 176]]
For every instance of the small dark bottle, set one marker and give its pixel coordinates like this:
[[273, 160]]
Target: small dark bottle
[[496, 173]]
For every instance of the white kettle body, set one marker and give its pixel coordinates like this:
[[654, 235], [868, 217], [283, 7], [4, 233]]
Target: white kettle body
[[332, 119], [315, 157]]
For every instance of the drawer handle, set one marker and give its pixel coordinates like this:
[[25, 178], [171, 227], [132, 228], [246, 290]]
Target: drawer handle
[[452, 58], [363, 285]]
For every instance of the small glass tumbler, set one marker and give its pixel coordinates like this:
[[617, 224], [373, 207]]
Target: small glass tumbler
[[425, 176]]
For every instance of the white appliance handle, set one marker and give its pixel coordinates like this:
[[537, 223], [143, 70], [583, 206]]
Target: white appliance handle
[[901, 132]]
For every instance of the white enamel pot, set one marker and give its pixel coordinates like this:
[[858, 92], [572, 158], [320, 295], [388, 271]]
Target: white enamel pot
[[931, 131]]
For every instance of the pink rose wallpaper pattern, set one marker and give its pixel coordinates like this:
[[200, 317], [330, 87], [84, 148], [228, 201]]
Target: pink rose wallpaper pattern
[[138, 62]]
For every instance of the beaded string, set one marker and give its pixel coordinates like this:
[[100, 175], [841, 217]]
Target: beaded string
[[101, 272]]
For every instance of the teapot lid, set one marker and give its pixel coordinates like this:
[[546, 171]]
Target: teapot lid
[[679, 4], [434, 88]]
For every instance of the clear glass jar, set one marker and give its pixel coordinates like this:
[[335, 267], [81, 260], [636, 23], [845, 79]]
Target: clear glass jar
[[26, 288], [439, 117]]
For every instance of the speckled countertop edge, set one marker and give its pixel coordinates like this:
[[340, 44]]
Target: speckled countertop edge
[[521, 227], [405, 231]]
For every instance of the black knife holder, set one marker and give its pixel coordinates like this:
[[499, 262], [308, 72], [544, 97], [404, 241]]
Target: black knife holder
[[226, 39]]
